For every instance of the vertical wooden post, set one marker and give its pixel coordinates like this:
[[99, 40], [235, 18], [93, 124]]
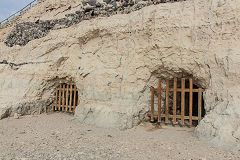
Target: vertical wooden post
[[63, 97], [74, 98], [190, 100], [66, 107], [174, 100], [56, 100], [152, 104], [167, 101], [159, 99], [53, 107], [78, 102], [183, 101], [70, 101], [60, 93], [199, 105]]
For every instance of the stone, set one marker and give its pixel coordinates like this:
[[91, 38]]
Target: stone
[[131, 3], [90, 2], [107, 1], [109, 7], [125, 4], [136, 1], [114, 4], [98, 5], [16, 116], [88, 8]]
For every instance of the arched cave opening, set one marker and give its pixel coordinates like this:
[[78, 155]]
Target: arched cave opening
[[167, 104], [66, 98]]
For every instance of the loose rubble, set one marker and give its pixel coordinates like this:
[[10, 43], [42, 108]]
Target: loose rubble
[[27, 31]]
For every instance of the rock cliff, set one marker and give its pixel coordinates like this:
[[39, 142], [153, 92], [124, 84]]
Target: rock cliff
[[114, 59]]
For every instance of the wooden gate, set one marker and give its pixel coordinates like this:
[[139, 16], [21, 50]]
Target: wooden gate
[[66, 98], [174, 116]]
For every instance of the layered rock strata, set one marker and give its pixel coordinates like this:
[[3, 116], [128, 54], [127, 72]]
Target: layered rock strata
[[27, 31]]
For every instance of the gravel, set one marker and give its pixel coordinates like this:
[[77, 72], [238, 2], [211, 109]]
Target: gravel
[[58, 136]]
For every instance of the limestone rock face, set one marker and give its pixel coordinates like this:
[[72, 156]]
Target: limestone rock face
[[113, 62], [27, 31]]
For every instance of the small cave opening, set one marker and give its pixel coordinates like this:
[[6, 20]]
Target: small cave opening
[[66, 98], [175, 100]]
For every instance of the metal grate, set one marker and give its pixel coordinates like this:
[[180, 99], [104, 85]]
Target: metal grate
[[185, 110], [66, 98]]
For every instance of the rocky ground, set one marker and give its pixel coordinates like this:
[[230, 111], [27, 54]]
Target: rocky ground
[[58, 136]]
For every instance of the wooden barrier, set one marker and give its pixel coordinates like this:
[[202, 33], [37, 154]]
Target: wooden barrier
[[174, 116], [66, 98]]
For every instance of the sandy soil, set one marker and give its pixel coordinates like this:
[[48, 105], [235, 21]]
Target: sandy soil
[[57, 136]]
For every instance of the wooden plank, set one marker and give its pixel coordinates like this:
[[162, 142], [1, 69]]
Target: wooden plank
[[167, 101], [60, 93], [199, 105], [190, 100], [74, 98], [183, 101], [78, 99], [159, 100], [152, 104], [63, 97], [56, 99], [66, 107], [70, 101], [174, 100], [178, 89], [52, 106], [171, 116]]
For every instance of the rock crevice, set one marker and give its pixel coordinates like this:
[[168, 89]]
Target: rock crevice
[[15, 66]]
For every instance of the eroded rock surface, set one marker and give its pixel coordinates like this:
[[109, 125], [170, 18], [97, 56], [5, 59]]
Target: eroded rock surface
[[27, 31], [114, 60]]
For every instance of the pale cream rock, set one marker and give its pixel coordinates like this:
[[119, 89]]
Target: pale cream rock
[[16, 116], [115, 60]]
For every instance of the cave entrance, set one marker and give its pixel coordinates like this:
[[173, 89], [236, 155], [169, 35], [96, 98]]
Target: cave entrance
[[177, 102], [66, 98]]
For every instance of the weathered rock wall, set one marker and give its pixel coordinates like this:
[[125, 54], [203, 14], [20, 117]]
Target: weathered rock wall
[[27, 31], [45, 10], [115, 60]]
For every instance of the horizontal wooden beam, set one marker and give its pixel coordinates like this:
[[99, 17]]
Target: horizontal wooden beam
[[178, 89], [171, 116]]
